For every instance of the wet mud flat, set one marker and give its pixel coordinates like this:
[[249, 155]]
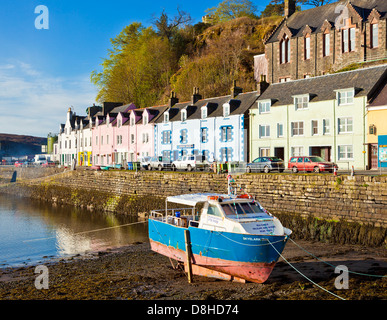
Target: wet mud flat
[[136, 273]]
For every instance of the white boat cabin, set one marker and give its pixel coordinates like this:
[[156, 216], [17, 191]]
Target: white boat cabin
[[236, 214]]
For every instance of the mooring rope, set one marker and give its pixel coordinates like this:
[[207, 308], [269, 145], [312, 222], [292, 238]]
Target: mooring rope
[[311, 281], [90, 231], [336, 267]]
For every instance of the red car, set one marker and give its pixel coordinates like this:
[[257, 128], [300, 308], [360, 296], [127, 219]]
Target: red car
[[312, 164], [48, 164]]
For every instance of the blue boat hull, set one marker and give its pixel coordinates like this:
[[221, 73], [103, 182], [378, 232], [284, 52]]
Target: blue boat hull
[[249, 257]]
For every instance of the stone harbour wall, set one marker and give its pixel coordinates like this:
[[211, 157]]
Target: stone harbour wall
[[321, 201]]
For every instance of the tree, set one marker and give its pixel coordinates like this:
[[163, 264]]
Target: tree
[[167, 27], [231, 9]]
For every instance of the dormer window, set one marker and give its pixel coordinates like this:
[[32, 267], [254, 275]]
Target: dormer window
[[301, 102], [119, 123], [226, 110], [183, 115], [307, 47], [132, 121], [166, 117], [374, 35], [145, 119], [345, 97], [204, 112], [264, 106], [285, 50]]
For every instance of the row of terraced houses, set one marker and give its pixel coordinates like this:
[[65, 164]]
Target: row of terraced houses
[[301, 105]]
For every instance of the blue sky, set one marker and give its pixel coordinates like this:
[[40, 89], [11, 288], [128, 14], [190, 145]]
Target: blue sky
[[44, 72]]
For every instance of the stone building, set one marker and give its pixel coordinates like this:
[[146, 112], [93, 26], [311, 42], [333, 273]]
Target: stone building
[[325, 39]]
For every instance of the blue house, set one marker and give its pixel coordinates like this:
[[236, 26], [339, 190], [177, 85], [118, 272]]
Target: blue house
[[217, 128]]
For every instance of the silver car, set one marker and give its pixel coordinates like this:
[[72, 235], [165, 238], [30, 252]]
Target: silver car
[[266, 164]]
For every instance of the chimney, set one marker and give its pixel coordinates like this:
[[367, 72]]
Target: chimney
[[290, 7], [196, 96], [173, 100], [69, 114], [262, 85], [235, 90]]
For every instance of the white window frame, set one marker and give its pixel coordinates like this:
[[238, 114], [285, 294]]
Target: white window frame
[[280, 135], [226, 110], [343, 125], [346, 152], [166, 117], [298, 128], [145, 119], [299, 149], [264, 152], [313, 127], [204, 112], [345, 97], [374, 35], [301, 102], [326, 127], [264, 106], [183, 115], [265, 129]]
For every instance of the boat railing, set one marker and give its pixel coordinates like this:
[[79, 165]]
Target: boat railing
[[181, 217]]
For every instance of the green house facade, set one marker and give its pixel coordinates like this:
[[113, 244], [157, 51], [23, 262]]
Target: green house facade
[[321, 116]]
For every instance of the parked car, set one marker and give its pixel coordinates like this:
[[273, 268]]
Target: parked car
[[311, 163], [266, 164], [191, 162], [144, 162], [21, 164], [48, 164], [159, 163]]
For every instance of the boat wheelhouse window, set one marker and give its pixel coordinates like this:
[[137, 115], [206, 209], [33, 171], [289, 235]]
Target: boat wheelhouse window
[[241, 208], [214, 211]]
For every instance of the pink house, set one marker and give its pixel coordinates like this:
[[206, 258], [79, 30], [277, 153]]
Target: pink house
[[110, 137], [142, 131]]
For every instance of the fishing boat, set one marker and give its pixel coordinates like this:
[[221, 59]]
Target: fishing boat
[[231, 237]]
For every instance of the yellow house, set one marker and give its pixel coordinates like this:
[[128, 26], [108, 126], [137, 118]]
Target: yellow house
[[377, 124]]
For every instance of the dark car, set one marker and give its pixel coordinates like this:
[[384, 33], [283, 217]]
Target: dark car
[[312, 164], [266, 164]]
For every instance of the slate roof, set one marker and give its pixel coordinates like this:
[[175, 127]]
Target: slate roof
[[239, 105], [322, 88], [316, 17]]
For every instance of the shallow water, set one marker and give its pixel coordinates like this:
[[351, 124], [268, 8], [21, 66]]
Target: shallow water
[[32, 232]]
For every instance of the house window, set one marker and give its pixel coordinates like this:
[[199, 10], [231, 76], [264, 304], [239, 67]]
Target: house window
[[132, 121], [166, 137], [264, 131], [101, 140], [132, 138], [204, 113], [183, 115], [326, 126], [345, 97], [346, 152], [326, 44], [204, 135], [145, 137], [280, 130], [145, 119], [226, 110], [346, 125], [301, 102], [314, 127], [166, 117], [297, 151], [96, 141], [184, 136], [167, 155], [348, 40], [225, 154], [264, 107], [107, 139], [285, 50], [307, 47], [119, 123], [298, 128], [226, 134], [264, 152], [374, 35]]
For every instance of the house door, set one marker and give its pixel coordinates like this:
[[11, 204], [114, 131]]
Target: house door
[[279, 153], [323, 152], [373, 156]]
